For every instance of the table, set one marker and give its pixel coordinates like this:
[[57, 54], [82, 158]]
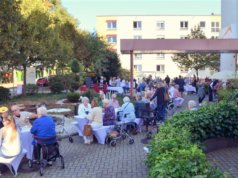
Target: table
[[189, 88], [26, 141], [117, 89], [58, 110]]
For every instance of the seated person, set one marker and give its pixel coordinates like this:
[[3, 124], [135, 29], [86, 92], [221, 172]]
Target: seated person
[[114, 102], [138, 105], [43, 128], [95, 119], [192, 105], [147, 96], [22, 117], [178, 100], [109, 116], [84, 108], [127, 110], [101, 98], [9, 136]]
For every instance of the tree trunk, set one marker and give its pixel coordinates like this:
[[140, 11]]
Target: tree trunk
[[24, 81], [197, 72]]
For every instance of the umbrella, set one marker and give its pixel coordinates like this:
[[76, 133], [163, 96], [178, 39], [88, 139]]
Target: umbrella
[[224, 75]]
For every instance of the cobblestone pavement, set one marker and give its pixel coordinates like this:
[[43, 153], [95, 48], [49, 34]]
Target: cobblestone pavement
[[226, 160], [95, 161]]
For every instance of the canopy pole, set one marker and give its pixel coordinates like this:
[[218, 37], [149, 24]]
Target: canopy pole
[[131, 74]]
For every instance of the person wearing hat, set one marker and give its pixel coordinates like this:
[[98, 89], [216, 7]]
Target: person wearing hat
[[3, 114], [9, 136], [22, 117]]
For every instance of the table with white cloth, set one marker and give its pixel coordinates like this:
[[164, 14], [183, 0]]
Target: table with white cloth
[[117, 89], [189, 88], [26, 141], [100, 132]]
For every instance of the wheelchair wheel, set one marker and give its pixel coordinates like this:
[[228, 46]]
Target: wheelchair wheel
[[113, 143], [123, 136], [62, 162], [131, 141], [71, 139]]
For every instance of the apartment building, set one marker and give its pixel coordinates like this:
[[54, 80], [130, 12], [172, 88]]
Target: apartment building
[[114, 28]]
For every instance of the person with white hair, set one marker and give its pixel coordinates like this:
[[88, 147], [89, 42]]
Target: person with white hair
[[43, 128], [192, 105], [22, 118], [84, 108], [127, 111], [109, 116]]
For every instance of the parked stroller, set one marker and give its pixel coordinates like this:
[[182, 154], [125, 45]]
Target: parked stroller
[[120, 132]]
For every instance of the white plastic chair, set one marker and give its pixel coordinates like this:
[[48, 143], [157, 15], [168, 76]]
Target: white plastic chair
[[13, 163]]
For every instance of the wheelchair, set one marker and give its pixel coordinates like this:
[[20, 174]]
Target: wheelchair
[[45, 153]]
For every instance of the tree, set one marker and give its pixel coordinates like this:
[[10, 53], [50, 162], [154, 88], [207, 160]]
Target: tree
[[196, 61]]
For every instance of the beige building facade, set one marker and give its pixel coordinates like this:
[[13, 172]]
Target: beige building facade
[[114, 28]]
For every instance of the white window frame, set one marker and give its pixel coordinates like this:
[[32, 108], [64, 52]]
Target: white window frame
[[112, 25], [183, 24], [138, 56], [201, 23], [160, 25], [215, 26], [160, 55], [137, 37], [138, 67], [162, 68], [112, 39], [137, 25]]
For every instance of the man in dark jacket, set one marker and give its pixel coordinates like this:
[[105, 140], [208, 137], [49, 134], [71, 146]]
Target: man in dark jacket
[[161, 103]]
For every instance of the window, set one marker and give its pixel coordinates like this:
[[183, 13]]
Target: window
[[183, 24], [138, 56], [137, 25], [112, 39], [202, 24], [111, 25], [137, 37], [160, 68], [160, 37], [160, 25], [138, 67], [160, 55], [215, 27], [183, 70], [184, 37]]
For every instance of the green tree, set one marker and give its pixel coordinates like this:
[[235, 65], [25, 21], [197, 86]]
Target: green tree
[[195, 60]]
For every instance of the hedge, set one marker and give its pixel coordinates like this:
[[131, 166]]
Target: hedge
[[176, 151]]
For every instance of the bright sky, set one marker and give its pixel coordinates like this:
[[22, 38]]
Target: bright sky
[[87, 10]]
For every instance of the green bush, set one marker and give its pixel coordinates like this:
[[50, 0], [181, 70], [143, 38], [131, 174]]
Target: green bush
[[56, 84], [176, 150], [31, 89], [91, 94], [4, 94], [73, 97], [74, 86]]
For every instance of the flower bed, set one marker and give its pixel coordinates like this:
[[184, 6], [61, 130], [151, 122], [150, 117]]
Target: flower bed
[[176, 151]]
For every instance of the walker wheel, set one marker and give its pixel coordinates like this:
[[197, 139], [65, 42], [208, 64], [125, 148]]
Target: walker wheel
[[71, 140], [113, 143], [131, 141]]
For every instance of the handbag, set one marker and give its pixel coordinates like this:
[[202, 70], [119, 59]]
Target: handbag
[[87, 130]]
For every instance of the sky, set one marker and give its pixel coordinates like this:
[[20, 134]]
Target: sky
[[85, 11]]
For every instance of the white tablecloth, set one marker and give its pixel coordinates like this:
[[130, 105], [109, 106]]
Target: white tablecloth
[[26, 141], [100, 133], [117, 89], [189, 88]]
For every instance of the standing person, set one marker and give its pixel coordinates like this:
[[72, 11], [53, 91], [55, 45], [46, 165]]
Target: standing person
[[10, 144], [167, 80], [201, 94], [181, 84], [194, 82], [161, 103], [211, 90]]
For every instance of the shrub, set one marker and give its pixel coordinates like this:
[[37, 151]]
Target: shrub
[[31, 89], [73, 97], [91, 94], [56, 84], [4, 94], [74, 86], [176, 150]]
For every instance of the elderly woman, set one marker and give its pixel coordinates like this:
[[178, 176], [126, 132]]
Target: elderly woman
[[192, 105], [43, 128], [128, 110], [95, 119], [109, 116], [9, 136], [114, 102], [84, 108]]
